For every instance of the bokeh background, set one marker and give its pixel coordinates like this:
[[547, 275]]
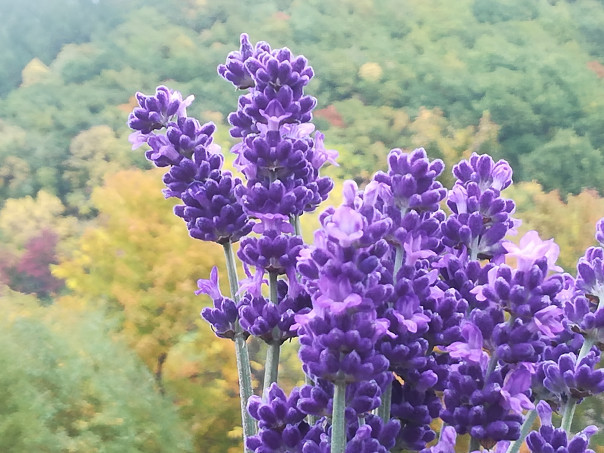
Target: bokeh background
[[101, 344]]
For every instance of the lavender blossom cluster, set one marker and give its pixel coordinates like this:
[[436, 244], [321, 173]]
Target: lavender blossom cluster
[[410, 307]]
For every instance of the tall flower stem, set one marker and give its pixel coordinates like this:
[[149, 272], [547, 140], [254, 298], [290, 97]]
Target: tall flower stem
[[474, 445], [295, 221], [568, 414], [526, 428], [271, 367], [384, 410], [241, 352], [338, 421]]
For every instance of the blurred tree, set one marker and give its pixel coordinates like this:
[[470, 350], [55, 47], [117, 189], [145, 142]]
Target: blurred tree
[[94, 154], [39, 28], [30, 274], [568, 162], [61, 391], [34, 72], [15, 178], [25, 218]]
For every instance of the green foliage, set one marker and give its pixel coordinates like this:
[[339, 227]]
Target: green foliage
[[61, 391], [568, 162], [39, 28], [536, 67]]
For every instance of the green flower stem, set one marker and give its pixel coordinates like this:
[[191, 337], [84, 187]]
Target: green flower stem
[[492, 364], [231, 270], [241, 352], [568, 414], [474, 445], [338, 421], [526, 428], [386, 400], [271, 367], [384, 410], [245, 384], [295, 221]]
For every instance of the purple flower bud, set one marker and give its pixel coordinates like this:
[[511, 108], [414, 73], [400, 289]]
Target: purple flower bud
[[223, 317], [234, 69], [155, 112], [600, 231], [590, 272], [567, 378], [482, 170], [281, 424]]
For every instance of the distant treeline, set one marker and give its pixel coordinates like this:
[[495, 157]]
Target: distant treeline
[[521, 80]]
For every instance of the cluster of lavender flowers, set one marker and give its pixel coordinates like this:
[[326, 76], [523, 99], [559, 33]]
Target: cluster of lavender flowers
[[411, 306]]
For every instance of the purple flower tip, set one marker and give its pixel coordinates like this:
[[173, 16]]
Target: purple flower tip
[[210, 287], [345, 226], [600, 231]]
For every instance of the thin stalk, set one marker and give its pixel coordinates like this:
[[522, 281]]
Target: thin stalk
[[231, 270], [398, 262], [243, 359], [474, 445], [384, 410], [245, 384], [271, 367], [568, 414], [295, 221], [492, 364], [338, 420], [526, 428], [310, 419]]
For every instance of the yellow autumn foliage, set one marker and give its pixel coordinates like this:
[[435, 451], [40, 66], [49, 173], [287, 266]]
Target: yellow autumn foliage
[[23, 218], [141, 266], [371, 72], [34, 72]]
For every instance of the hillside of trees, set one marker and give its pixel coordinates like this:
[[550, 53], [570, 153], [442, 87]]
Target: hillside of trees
[[95, 268]]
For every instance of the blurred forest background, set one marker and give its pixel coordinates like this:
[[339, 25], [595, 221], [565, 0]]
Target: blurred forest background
[[101, 345]]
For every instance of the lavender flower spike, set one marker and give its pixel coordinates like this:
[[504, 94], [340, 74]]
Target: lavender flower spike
[[234, 69], [155, 112]]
